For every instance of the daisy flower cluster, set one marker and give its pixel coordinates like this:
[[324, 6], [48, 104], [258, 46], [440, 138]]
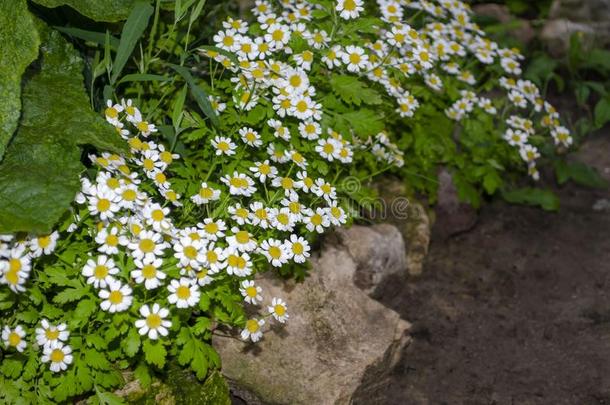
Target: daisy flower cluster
[[16, 257], [435, 41]]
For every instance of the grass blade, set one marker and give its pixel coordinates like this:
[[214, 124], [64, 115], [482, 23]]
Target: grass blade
[[198, 93], [132, 31]]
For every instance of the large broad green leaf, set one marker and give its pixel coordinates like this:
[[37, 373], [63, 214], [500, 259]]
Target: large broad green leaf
[[20, 42], [98, 10], [353, 91], [40, 171]]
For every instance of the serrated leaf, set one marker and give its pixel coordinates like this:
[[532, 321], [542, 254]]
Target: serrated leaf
[[98, 10], [96, 360], [363, 122], [353, 91], [143, 375], [109, 398], [40, 170], [154, 353], [11, 368], [69, 295], [131, 344], [84, 310], [20, 42], [132, 31]]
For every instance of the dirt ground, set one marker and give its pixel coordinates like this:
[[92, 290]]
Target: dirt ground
[[516, 310]]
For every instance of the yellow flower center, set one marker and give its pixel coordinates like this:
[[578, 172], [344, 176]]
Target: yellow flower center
[[14, 265], [129, 195], [206, 193], [277, 35], [143, 126], [212, 256], [112, 240], [190, 252], [153, 321], [354, 58], [147, 245], [183, 292], [316, 219], [115, 297], [287, 183], [279, 309], [252, 326], [157, 215], [103, 205], [297, 248], [228, 41], [111, 112], [251, 292], [242, 237], [349, 5], [14, 339], [57, 356], [51, 334], [100, 272], [149, 271], [275, 252]]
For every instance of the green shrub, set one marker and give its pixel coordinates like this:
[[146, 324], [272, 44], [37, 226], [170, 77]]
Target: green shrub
[[243, 151]]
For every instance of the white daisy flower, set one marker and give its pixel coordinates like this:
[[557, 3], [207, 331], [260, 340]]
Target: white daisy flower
[[117, 298], [154, 323], [14, 338], [148, 272], [238, 263], [184, 293], [109, 240], [213, 229], [44, 244], [147, 244], [190, 252], [206, 194], [263, 170], [297, 248], [349, 8], [253, 330], [60, 357], [215, 258], [317, 221], [241, 240], [274, 251], [99, 272], [251, 292], [354, 58], [278, 309], [49, 335], [223, 146]]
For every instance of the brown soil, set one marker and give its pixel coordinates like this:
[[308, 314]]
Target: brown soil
[[515, 311]]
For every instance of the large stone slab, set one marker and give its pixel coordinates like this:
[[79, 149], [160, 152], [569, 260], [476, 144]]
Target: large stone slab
[[335, 333]]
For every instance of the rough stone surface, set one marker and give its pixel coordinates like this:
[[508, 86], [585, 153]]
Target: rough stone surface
[[524, 32], [452, 215], [566, 17], [334, 335], [379, 253], [409, 216]]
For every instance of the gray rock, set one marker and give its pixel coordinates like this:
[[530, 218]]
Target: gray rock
[[523, 32], [452, 215], [409, 216], [590, 18], [379, 253], [334, 335]]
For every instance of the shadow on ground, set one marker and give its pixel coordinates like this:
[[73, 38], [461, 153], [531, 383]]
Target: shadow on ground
[[516, 311]]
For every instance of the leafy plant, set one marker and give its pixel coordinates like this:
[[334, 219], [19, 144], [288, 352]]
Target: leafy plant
[[228, 147]]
